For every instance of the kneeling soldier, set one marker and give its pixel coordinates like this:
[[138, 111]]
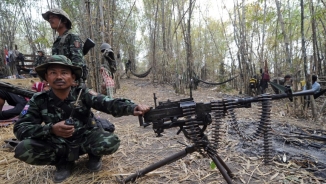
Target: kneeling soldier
[[67, 131]]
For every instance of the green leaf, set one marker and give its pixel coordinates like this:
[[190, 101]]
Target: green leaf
[[213, 166]]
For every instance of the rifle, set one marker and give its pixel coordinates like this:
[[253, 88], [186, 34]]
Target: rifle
[[16, 89], [193, 118]]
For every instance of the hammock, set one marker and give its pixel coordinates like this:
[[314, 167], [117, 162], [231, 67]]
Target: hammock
[[214, 83], [143, 74]]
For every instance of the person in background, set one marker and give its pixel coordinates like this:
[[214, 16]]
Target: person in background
[[264, 81], [12, 99], [40, 86], [287, 80], [67, 43], [39, 59], [56, 126], [315, 85]]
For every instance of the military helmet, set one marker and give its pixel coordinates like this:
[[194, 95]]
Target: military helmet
[[57, 11], [41, 51], [106, 46]]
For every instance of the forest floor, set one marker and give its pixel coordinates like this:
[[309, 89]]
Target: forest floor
[[296, 157]]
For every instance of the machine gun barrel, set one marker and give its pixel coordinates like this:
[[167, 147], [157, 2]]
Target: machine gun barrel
[[275, 97]]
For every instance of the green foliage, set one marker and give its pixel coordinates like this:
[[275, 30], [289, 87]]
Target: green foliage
[[212, 165]]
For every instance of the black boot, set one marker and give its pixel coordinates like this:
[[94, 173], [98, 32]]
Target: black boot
[[94, 162], [63, 171]]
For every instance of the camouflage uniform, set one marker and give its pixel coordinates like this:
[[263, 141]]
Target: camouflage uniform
[[39, 60], [72, 48], [39, 147]]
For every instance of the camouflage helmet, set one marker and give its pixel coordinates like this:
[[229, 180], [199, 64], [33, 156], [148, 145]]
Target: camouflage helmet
[[57, 11], [60, 60]]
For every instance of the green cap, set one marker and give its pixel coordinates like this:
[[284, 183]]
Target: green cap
[[57, 11], [60, 60]]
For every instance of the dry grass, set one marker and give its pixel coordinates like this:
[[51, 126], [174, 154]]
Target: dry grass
[[140, 148], [24, 83]]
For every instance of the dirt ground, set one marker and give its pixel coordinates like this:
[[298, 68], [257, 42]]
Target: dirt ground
[[295, 160]]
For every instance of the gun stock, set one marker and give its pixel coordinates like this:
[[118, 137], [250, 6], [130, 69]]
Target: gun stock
[[89, 43]]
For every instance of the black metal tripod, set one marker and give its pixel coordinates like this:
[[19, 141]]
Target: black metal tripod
[[220, 164]]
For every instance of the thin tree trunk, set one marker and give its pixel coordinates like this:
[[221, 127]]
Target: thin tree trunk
[[285, 36], [164, 77], [155, 69], [261, 53], [189, 47], [102, 28]]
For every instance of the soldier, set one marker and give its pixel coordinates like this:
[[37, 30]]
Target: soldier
[[315, 85], [287, 80], [108, 55], [67, 43], [39, 59], [61, 139], [14, 100], [107, 70]]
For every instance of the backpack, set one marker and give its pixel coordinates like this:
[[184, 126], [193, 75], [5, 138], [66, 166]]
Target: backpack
[[252, 83], [266, 76]]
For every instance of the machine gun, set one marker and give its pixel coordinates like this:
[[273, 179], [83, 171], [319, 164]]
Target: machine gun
[[193, 118]]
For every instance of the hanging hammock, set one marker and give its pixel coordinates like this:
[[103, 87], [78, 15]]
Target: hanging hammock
[[143, 74], [214, 83]]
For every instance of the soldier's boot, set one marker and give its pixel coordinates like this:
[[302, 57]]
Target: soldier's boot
[[63, 171], [94, 163]]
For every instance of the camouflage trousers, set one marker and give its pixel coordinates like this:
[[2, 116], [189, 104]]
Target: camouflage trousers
[[44, 152]]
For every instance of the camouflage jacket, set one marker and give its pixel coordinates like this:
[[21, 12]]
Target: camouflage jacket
[[39, 60], [72, 48], [48, 108]]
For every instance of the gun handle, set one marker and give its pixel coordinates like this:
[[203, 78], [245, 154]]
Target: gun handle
[[141, 121]]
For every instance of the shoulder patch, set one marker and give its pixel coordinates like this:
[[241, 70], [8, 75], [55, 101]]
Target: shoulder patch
[[92, 92], [24, 111]]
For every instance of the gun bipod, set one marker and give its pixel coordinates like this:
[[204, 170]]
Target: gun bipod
[[220, 164]]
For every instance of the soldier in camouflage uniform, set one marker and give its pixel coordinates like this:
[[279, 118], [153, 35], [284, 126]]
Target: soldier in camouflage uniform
[[55, 142], [67, 43], [39, 59]]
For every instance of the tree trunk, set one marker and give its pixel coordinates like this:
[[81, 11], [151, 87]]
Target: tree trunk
[[153, 42], [189, 47], [285, 36], [164, 58], [304, 54]]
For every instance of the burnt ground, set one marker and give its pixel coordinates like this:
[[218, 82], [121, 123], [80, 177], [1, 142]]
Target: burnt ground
[[296, 157]]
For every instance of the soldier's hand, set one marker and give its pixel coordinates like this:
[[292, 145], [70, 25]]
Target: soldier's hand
[[60, 129], [141, 110]]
